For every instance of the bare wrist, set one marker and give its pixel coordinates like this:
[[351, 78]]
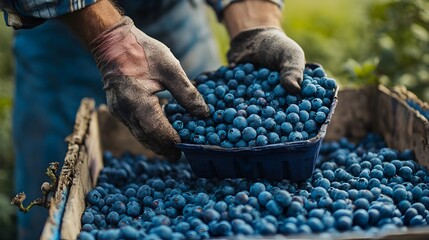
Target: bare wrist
[[251, 14], [89, 22]]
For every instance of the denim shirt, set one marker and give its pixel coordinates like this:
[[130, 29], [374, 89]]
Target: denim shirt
[[30, 13]]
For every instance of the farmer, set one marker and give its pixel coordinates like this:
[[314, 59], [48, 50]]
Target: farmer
[[55, 69]]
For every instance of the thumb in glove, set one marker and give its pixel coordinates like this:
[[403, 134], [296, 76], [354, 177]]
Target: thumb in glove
[[270, 47]]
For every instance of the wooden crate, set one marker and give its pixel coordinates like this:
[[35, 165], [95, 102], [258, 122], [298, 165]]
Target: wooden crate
[[359, 111]]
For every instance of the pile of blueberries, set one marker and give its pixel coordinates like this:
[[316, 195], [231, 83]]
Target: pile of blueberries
[[363, 188], [249, 107]]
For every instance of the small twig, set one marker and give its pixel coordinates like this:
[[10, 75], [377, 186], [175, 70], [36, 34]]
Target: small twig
[[46, 189]]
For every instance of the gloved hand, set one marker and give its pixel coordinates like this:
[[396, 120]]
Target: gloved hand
[[134, 67], [270, 47]]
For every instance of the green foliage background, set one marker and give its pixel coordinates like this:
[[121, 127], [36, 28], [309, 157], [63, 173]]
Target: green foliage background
[[357, 41], [7, 216]]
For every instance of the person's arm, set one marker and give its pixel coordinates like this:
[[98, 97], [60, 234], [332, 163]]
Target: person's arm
[[245, 15], [135, 67], [91, 21], [257, 37]]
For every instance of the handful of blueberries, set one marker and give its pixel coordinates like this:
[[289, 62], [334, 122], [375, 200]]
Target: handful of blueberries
[[249, 107], [365, 188]]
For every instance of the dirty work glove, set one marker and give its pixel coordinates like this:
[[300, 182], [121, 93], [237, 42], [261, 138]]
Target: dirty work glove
[[270, 47], [134, 67]]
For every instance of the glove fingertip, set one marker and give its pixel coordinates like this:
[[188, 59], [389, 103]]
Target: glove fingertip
[[202, 111], [291, 84]]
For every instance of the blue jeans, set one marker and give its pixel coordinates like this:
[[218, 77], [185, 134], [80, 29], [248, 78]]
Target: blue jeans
[[54, 72]]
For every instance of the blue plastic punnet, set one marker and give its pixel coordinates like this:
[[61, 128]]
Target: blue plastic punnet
[[294, 161]]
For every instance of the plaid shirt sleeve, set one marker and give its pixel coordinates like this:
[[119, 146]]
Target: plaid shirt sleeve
[[220, 5], [30, 13]]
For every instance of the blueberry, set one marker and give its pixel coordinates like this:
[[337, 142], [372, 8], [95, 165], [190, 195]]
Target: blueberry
[[318, 192], [293, 118], [229, 98], [248, 79], [248, 68], [316, 103], [320, 117], [405, 172], [274, 208], [326, 102], [305, 135], [93, 197], [202, 199], [223, 228], [309, 90], [261, 131], [259, 94], [220, 91], [229, 114], [389, 170], [362, 203], [279, 91], [133, 208], [399, 194], [273, 138], [410, 214], [226, 144], [288, 228], [234, 135], [315, 224], [248, 133], [419, 207], [254, 121], [253, 109], [112, 218], [305, 105], [318, 72], [361, 218], [417, 221], [257, 188], [323, 182], [240, 123], [343, 223], [213, 139], [263, 73], [210, 215], [293, 108], [239, 75], [295, 136], [286, 128], [264, 197], [87, 218], [280, 117], [320, 92], [290, 99], [417, 192], [386, 211], [310, 126], [294, 209], [178, 125], [269, 123], [199, 139], [164, 232], [303, 116], [274, 78]]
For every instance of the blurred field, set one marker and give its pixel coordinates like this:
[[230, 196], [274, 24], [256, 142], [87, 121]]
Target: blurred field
[[357, 41], [7, 221]]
